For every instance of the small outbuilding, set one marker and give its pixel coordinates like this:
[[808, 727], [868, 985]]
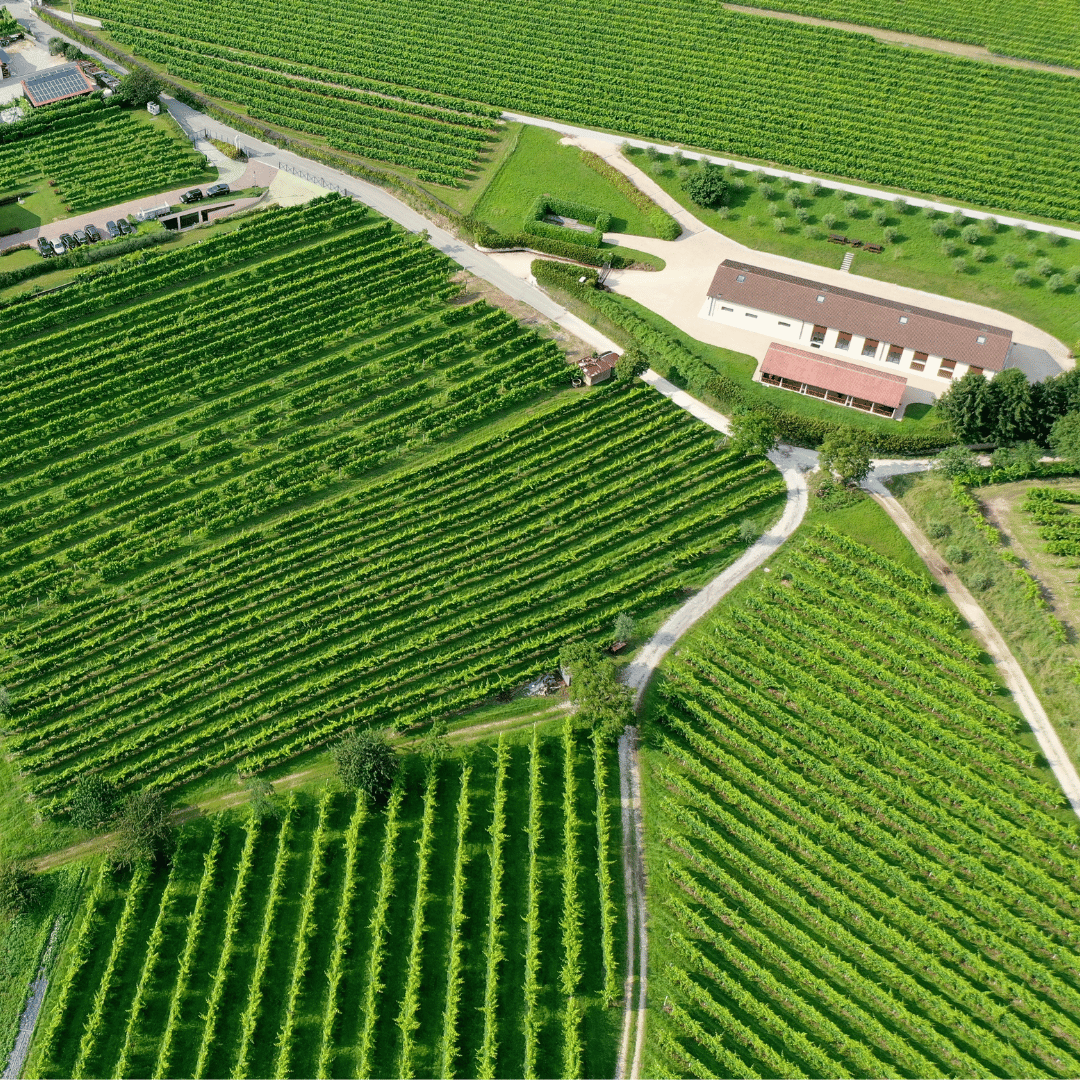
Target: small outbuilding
[[57, 84], [597, 369]]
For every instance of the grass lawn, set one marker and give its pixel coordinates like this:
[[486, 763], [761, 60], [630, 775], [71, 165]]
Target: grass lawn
[[539, 165], [1050, 665], [917, 257]]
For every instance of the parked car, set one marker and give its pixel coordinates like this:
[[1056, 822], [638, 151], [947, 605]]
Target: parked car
[[113, 230], [194, 195], [93, 233], [45, 247], [81, 237], [125, 226], [59, 247], [69, 241], [214, 190]]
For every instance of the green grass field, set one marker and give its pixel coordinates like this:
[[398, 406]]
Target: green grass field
[[346, 940], [916, 257], [855, 869]]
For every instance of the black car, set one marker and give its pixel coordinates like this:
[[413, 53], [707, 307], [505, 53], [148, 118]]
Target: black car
[[69, 241], [45, 247], [92, 233], [113, 230], [194, 195], [216, 190], [125, 226]]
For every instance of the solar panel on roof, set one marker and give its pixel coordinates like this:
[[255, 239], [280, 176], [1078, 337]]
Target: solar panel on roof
[[55, 83]]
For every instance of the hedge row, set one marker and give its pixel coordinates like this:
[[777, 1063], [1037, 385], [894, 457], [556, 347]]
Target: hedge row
[[663, 224], [669, 357], [534, 225]]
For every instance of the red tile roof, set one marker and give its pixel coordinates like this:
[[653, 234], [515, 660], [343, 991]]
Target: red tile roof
[[863, 315], [592, 367], [57, 84], [839, 376]]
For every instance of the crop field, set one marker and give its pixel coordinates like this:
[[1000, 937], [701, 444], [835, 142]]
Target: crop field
[[96, 154], [1053, 510], [226, 539], [757, 87], [468, 929], [1047, 32], [861, 874]]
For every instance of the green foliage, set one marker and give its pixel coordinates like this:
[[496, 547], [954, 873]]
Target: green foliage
[[937, 530], [139, 87], [366, 762], [1017, 462], [435, 746], [845, 454], [261, 801], [604, 704], [749, 533], [1065, 437], [94, 800], [143, 830], [19, 887], [967, 407], [632, 363], [707, 186], [753, 432], [663, 224], [533, 224], [623, 629]]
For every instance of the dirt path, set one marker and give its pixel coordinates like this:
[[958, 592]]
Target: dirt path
[[895, 37], [233, 799], [29, 1018], [994, 644]]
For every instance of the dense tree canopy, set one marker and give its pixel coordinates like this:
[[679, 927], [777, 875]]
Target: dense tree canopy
[[366, 762]]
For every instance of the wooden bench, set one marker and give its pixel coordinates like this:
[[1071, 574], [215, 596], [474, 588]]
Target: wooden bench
[[876, 249], [836, 238]]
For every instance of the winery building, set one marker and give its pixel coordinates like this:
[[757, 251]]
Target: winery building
[[849, 347]]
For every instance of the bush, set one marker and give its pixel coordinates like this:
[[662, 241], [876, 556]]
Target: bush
[[1010, 259], [707, 187], [958, 217], [1055, 239], [939, 227], [813, 232], [948, 249], [778, 224], [632, 363], [663, 224], [603, 702], [900, 205], [956, 462], [960, 265], [366, 762], [889, 235], [954, 553], [1022, 277], [793, 197], [18, 888], [880, 216], [990, 224], [139, 87], [143, 829], [972, 234], [1044, 268], [980, 254], [94, 801], [829, 221], [1072, 275], [844, 453], [937, 530], [1055, 282], [980, 582], [623, 630], [749, 533], [802, 213]]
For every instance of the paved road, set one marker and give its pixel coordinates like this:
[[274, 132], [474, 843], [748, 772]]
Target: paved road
[[800, 177]]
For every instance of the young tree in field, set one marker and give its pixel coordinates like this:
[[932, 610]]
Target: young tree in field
[[707, 187], [604, 703], [18, 887], [1012, 408], [143, 829], [956, 461], [843, 453], [624, 626], [94, 801], [632, 363], [435, 747], [966, 407], [139, 87], [261, 801], [752, 432], [1065, 437], [366, 762]]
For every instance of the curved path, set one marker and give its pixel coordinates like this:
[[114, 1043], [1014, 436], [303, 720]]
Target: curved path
[[984, 630]]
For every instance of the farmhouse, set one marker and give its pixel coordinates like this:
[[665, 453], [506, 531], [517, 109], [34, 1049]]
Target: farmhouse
[[57, 84], [867, 332]]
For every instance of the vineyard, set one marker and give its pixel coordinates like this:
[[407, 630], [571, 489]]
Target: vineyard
[[226, 539], [1047, 32], [758, 87], [96, 154], [343, 940], [1059, 525], [862, 874]]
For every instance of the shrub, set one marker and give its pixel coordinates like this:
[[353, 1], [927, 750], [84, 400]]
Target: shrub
[[749, 533], [139, 87], [1072, 275], [929, 212], [1044, 268], [18, 887], [980, 254], [802, 213], [890, 234], [1010, 259], [366, 762], [948, 249], [143, 829], [768, 192], [751, 220], [1022, 277], [1055, 282], [980, 582], [813, 232], [1055, 238], [971, 234], [956, 554], [958, 217], [939, 227], [632, 363], [813, 188], [1022, 232], [937, 530], [778, 224], [851, 207], [900, 205], [829, 221], [93, 801], [960, 265], [708, 187], [793, 197], [844, 453], [990, 224], [880, 216], [956, 462]]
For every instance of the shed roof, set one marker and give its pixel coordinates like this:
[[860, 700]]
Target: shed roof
[[787, 362], [56, 84], [968, 342], [592, 368]]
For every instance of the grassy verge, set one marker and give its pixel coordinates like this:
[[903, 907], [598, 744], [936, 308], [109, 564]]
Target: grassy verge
[[925, 251], [1050, 665]]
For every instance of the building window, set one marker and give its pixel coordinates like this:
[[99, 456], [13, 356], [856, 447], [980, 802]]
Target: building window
[[821, 298], [870, 347], [973, 370], [779, 323], [774, 379], [894, 354], [843, 341], [818, 336], [903, 318], [726, 308], [918, 362], [750, 315], [741, 277], [981, 340], [945, 371]]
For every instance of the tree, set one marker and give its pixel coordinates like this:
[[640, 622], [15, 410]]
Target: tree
[[1012, 407], [1065, 437], [956, 462], [603, 703], [842, 453], [261, 801], [1018, 461], [139, 87], [966, 408], [366, 762], [632, 363], [752, 432], [623, 629], [143, 829], [435, 746], [94, 801], [707, 186], [18, 887]]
